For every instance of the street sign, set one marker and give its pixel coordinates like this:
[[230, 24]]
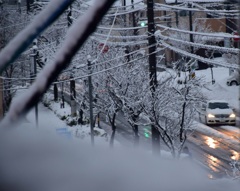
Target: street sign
[[103, 47]]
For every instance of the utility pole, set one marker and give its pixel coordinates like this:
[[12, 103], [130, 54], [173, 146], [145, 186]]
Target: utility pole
[[190, 25], [63, 101], [152, 70], [90, 98], [125, 24], [176, 13], [227, 44], [135, 31], [28, 6], [72, 81], [73, 96], [34, 74], [19, 6], [229, 29]]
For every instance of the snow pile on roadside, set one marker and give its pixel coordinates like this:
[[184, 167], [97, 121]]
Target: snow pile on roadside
[[78, 131]]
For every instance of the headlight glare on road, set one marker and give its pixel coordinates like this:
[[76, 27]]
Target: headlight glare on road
[[211, 115], [232, 115]]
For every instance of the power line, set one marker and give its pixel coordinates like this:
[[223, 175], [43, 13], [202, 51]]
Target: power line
[[220, 35], [176, 8], [194, 56], [195, 44], [97, 64], [111, 68]]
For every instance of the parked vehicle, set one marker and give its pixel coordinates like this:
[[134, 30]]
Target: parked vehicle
[[217, 112], [234, 78]]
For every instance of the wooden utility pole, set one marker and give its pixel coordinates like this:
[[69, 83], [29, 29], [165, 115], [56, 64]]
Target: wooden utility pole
[[33, 74], [73, 96], [72, 80], [152, 70], [90, 98]]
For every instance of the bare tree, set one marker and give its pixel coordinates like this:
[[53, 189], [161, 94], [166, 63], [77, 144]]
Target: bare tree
[[175, 106], [12, 22]]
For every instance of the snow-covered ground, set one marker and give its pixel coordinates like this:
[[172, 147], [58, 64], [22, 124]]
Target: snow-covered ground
[[217, 91]]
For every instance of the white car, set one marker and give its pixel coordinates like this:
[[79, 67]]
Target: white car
[[217, 112]]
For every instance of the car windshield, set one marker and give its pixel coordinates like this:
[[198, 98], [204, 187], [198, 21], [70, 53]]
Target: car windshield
[[220, 105]]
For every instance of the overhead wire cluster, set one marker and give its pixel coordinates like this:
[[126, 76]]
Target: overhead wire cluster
[[169, 41]]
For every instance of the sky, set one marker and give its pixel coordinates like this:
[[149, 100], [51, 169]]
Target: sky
[[41, 159]]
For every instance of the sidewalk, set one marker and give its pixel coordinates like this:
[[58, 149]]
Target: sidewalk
[[47, 120]]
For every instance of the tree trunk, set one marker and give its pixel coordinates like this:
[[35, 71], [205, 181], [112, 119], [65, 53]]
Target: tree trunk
[[136, 136], [113, 130], [112, 138], [183, 116], [182, 122], [155, 140]]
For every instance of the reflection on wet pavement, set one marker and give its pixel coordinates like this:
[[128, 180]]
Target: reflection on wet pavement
[[211, 142], [235, 155], [213, 163]]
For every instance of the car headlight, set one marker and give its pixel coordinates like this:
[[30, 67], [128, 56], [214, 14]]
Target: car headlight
[[211, 115], [232, 115]]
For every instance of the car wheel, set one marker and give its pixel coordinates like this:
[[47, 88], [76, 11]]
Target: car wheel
[[233, 83]]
